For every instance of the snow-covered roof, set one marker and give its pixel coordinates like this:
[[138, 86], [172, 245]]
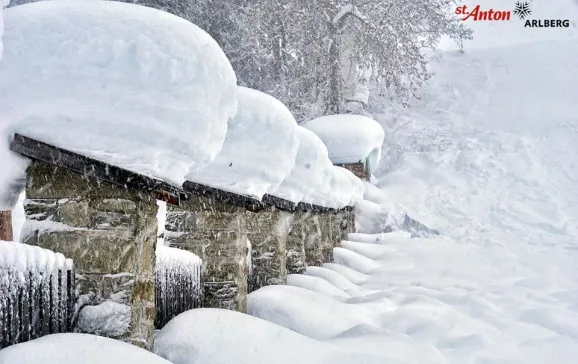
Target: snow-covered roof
[[345, 189], [312, 171], [259, 150], [349, 138], [125, 84]]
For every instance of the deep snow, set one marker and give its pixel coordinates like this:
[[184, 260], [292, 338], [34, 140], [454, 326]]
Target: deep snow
[[76, 349], [122, 83], [349, 138], [489, 157], [259, 149]]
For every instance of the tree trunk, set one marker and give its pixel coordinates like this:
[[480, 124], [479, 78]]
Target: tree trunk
[[6, 225], [335, 99]]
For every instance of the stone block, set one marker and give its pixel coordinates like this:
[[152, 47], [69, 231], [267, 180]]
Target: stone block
[[267, 231]]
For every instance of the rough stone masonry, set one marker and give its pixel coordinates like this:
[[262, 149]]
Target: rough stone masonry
[[267, 232], [217, 233], [109, 232]]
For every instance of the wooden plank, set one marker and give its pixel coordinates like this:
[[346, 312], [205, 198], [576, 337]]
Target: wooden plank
[[90, 167]]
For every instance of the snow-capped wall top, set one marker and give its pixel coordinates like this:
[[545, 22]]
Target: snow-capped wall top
[[259, 150], [349, 138], [345, 189], [17, 257], [312, 171], [122, 83]]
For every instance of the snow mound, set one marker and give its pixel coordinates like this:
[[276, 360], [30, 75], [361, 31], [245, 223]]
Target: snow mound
[[110, 319], [259, 150], [76, 349], [349, 138], [317, 284], [312, 171], [304, 311], [122, 83], [214, 336]]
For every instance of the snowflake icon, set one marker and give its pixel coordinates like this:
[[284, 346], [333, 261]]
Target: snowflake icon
[[522, 9]]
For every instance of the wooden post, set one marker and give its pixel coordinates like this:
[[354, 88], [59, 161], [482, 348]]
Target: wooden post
[[6, 225]]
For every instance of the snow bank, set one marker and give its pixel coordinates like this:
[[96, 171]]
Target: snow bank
[[259, 150], [312, 314], [126, 84], [214, 336], [349, 138], [75, 349], [312, 170]]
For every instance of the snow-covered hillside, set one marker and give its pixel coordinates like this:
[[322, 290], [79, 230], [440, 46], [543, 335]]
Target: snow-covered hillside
[[489, 157]]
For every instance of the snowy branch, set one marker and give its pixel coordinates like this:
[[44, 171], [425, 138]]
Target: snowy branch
[[348, 10]]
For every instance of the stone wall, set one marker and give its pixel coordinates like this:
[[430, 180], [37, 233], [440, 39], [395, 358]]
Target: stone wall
[[358, 169], [267, 231], [217, 233], [109, 232]]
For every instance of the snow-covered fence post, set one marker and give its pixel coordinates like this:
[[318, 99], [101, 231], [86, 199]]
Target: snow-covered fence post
[[110, 233], [212, 224], [33, 293], [179, 282], [267, 231]]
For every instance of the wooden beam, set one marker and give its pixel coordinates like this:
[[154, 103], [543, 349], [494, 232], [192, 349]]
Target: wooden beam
[[90, 167], [6, 226], [279, 203], [223, 196]]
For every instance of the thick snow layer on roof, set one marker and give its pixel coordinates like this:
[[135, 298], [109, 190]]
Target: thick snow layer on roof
[[126, 84], [259, 150], [345, 189], [349, 138], [76, 349], [312, 171]]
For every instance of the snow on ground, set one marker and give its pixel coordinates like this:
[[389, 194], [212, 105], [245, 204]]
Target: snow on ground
[[123, 83], [489, 157], [76, 349], [212, 336], [349, 138], [259, 150]]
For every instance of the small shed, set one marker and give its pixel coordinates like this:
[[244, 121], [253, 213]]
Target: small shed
[[353, 141]]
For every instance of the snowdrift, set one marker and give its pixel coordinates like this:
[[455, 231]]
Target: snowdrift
[[75, 349], [213, 336], [122, 83]]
